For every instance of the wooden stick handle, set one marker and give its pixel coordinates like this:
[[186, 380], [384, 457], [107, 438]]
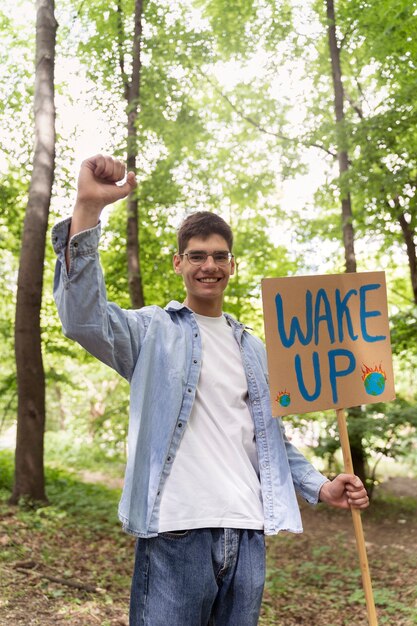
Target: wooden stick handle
[[357, 522]]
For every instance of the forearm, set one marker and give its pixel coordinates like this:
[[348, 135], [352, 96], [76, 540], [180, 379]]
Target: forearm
[[307, 480], [83, 218]]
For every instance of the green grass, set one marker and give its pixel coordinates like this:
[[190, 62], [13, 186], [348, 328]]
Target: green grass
[[312, 579], [77, 537], [71, 500]]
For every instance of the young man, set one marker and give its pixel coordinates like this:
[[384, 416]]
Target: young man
[[209, 470]]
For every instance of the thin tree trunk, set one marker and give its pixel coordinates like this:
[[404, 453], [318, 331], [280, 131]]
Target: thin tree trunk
[[342, 155], [357, 450], [359, 458], [408, 235], [29, 471], [132, 96]]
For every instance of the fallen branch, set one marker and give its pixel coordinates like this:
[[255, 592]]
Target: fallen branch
[[31, 568]]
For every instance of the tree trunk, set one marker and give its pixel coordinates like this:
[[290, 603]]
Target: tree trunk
[[132, 94], [359, 458], [359, 461], [29, 471], [357, 450], [408, 235], [342, 155]]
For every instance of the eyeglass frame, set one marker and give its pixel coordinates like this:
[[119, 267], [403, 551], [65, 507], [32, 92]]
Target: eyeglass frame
[[230, 257]]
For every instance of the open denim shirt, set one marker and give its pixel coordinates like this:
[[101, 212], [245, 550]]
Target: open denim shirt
[[159, 352]]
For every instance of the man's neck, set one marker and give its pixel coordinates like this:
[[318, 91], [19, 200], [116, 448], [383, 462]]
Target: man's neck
[[209, 308]]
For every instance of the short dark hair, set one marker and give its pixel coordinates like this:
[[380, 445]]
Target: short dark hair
[[203, 224]]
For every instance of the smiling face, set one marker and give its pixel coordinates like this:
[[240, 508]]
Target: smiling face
[[206, 283]]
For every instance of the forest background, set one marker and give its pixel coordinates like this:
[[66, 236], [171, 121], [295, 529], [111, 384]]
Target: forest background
[[296, 121]]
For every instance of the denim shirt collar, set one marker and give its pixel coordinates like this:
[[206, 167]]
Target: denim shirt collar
[[176, 306]]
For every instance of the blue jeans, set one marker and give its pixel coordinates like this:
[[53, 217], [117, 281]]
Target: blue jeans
[[203, 577]]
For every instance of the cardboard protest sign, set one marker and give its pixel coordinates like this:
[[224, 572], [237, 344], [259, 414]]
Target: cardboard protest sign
[[327, 340]]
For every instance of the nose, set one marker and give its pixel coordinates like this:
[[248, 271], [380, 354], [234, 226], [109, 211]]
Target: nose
[[209, 263]]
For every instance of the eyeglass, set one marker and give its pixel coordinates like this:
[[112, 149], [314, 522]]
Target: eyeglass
[[200, 257]]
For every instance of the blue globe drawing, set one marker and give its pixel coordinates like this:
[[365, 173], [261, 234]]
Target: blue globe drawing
[[374, 383], [285, 399]]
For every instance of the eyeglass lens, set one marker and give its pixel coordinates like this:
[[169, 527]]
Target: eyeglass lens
[[199, 258]]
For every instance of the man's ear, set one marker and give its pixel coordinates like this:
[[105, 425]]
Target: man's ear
[[176, 260], [232, 266]]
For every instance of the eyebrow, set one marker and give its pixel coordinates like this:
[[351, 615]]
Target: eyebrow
[[205, 251]]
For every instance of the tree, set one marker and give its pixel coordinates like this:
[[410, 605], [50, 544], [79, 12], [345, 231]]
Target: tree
[[355, 434], [384, 172], [113, 49], [368, 136], [342, 153], [366, 173], [29, 473], [131, 90]]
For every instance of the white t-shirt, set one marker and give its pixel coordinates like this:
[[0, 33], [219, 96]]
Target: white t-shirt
[[214, 480]]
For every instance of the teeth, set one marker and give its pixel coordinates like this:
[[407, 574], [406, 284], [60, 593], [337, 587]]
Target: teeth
[[208, 280]]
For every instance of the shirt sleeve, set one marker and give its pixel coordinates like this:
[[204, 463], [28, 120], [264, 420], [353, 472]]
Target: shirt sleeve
[[307, 480], [110, 333]]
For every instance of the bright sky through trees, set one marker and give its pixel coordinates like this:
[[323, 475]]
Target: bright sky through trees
[[85, 129]]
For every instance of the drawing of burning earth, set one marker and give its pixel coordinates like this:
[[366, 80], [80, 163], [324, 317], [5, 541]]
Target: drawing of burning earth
[[374, 379], [284, 398]]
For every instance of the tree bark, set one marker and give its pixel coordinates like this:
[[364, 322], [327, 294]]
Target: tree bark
[[359, 458], [132, 96], [410, 244], [342, 155], [29, 471], [357, 450]]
